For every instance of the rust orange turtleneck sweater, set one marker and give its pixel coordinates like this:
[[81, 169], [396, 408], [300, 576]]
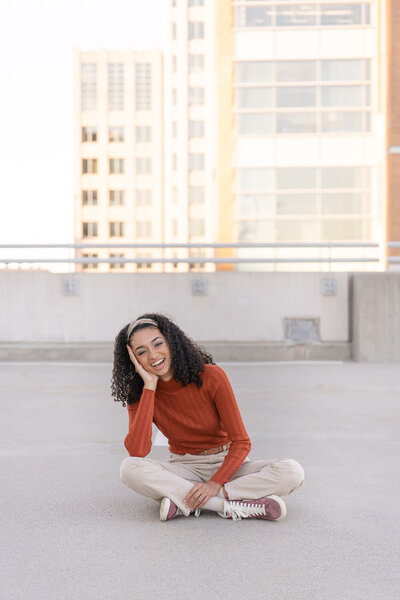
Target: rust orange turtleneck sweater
[[193, 419]]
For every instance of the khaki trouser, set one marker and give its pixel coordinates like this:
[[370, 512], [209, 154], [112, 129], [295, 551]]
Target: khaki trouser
[[254, 479]]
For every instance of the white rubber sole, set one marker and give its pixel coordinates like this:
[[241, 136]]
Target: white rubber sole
[[164, 508], [282, 505]]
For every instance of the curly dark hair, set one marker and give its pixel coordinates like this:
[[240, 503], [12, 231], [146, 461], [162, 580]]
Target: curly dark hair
[[187, 359]]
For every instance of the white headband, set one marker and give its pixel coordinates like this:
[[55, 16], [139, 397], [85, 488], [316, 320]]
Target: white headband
[[139, 322]]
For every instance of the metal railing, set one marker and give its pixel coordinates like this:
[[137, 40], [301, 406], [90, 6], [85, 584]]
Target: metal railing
[[393, 259], [192, 260]]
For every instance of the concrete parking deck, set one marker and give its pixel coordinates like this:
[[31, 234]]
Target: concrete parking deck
[[72, 531]]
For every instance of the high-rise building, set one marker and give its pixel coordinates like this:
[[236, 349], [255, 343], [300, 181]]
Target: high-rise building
[[119, 154], [287, 100]]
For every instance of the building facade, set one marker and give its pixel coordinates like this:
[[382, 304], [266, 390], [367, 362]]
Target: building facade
[[119, 187]]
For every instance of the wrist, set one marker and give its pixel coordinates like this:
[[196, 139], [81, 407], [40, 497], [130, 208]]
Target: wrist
[[150, 386]]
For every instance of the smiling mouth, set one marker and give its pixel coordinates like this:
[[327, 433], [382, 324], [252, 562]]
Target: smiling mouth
[[159, 363]]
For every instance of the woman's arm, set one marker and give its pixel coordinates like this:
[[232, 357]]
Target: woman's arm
[[138, 440]]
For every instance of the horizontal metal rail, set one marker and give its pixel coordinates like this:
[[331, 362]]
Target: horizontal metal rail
[[203, 245], [200, 259]]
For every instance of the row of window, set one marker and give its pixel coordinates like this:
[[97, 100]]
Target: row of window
[[303, 15], [189, 3], [143, 197], [117, 134], [195, 63], [327, 203], [302, 178], [299, 230], [292, 71], [143, 166], [143, 229], [116, 86], [258, 124], [114, 265]]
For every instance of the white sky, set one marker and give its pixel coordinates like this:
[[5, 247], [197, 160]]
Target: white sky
[[36, 152]]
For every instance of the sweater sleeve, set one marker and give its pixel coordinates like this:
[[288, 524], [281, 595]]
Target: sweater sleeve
[[228, 410], [138, 440]]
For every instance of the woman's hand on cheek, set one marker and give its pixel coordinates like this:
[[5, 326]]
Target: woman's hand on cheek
[[149, 379]]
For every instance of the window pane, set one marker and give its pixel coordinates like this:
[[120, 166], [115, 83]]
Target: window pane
[[255, 97], [341, 14], [254, 72], [255, 124], [256, 205], [296, 122], [196, 63], [143, 86], [342, 122], [344, 70], [196, 227], [256, 231], [253, 179], [342, 203], [253, 16], [196, 194], [296, 96], [89, 86], [297, 231], [342, 95], [116, 86], [340, 230], [303, 15], [296, 204], [296, 70], [345, 177], [292, 178]]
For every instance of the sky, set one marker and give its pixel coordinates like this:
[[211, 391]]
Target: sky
[[36, 109]]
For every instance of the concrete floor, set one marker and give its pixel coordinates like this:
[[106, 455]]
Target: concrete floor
[[71, 531]]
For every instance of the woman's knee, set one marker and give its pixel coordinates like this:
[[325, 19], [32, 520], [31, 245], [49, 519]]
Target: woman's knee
[[296, 474], [128, 468]]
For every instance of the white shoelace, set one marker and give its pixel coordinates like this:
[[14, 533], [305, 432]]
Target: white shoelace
[[239, 510]]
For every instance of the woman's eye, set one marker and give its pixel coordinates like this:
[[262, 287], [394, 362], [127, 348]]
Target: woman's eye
[[140, 353], [158, 344]]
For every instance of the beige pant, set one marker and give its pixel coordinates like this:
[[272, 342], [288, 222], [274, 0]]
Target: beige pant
[[254, 479]]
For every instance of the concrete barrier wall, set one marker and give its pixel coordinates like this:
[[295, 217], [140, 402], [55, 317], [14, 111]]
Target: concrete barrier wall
[[279, 310], [376, 317]]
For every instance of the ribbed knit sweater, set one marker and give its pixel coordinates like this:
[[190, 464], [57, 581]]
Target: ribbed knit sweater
[[192, 419]]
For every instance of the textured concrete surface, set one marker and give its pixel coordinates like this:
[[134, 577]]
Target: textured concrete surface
[[71, 531]]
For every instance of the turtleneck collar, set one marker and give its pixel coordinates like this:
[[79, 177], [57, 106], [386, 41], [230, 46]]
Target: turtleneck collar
[[169, 386]]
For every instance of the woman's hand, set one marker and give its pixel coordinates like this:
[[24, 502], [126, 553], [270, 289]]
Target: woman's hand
[[149, 379], [200, 494]]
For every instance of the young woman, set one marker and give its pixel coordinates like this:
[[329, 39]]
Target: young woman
[[167, 379]]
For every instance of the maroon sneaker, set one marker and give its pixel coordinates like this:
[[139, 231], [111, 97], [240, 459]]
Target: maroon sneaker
[[169, 510], [271, 508]]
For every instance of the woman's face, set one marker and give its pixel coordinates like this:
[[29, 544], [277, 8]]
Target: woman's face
[[152, 352]]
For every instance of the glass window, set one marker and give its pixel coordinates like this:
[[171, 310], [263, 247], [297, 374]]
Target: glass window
[[197, 227], [195, 2], [115, 265], [256, 205], [345, 203], [296, 122], [143, 166], [174, 194], [143, 228], [196, 194], [116, 197], [117, 165], [303, 15], [296, 204], [296, 177], [174, 161], [116, 86], [340, 230], [116, 134], [255, 97], [256, 231], [89, 86], [195, 30], [255, 179], [345, 177], [196, 129], [196, 95], [117, 229], [341, 14], [173, 31], [253, 16], [342, 95], [254, 72], [296, 70], [344, 70], [89, 134], [174, 226], [196, 63], [297, 231], [196, 162], [174, 63], [143, 86], [174, 96], [90, 265], [89, 166], [342, 122], [89, 229], [296, 96], [89, 197], [256, 124], [143, 197], [143, 134]]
